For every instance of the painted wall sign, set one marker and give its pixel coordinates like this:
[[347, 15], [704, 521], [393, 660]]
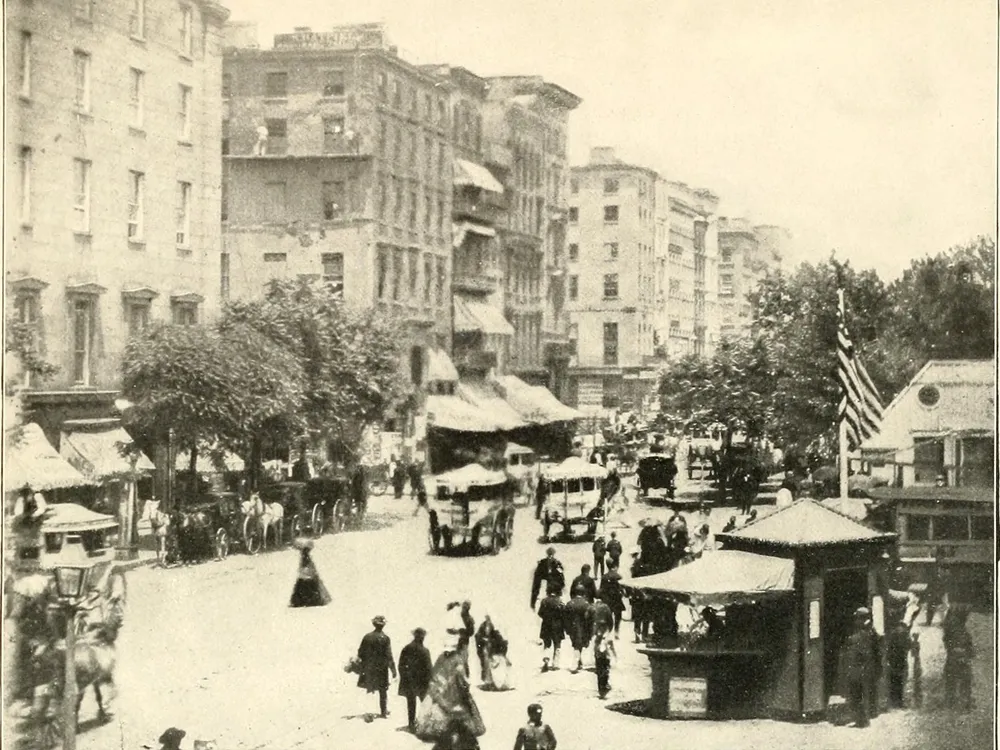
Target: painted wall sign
[[688, 696]]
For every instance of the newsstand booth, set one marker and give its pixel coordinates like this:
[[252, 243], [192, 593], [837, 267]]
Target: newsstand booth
[[787, 586]]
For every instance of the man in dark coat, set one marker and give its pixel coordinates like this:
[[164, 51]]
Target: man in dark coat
[[535, 735], [551, 610], [614, 550], [858, 664], [414, 674], [611, 593], [375, 655], [600, 549], [898, 657], [601, 616], [584, 584], [550, 570], [579, 627]]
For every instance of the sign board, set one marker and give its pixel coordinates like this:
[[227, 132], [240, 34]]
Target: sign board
[[814, 624], [688, 696], [343, 38], [878, 615]]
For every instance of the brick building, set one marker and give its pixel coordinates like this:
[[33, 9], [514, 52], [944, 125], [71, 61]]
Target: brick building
[[112, 137]]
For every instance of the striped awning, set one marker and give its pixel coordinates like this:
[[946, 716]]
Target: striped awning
[[454, 413], [97, 454], [535, 403], [485, 399], [475, 175], [473, 315], [440, 368], [29, 459]]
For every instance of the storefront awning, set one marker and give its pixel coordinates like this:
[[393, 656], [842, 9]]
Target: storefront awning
[[721, 578], [454, 413], [32, 460], [535, 403], [70, 518], [473, 315], [204, 463], [440, 367], [97, 454], [470, 173], [460, 230], [485, 399]]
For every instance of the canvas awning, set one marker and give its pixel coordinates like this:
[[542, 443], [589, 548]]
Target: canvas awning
[[535, 403], [805, 523], [473, 315], [513, 449], [475, 175], [204, 463], [70, 518], [470, 475], [440, 368], [97, 455], [721, 578], [32, 460], [490, 404], [574, 467], [454, 413]]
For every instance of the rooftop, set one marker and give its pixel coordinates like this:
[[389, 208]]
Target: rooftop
[[805, 523]]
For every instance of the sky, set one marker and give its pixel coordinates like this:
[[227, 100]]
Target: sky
[[868, 129]]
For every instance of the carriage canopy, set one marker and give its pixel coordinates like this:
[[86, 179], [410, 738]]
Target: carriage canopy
[[573, 467], [470, 475]]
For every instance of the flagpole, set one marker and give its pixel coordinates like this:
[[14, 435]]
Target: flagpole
[[842, 448]]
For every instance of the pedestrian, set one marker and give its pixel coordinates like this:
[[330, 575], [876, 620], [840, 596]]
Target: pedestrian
[[416, 479], [492, 649], [414, 674], [640, 616], [601, 617], [456, 736], [858, 667], [551, 612], [541, 493], [550, 570], [398, 479], [578, 627], [898, 657], [932, 596], [600, 549], [613, 596], [918, 671], [585, 585], [614, 550], [604, 650], [171, 739], [536, 734], [959, 652], [309, 590], [421, 500], [375, 656], [730, 525]]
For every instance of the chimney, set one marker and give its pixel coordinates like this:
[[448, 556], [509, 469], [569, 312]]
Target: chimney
[[303, 29], [603, 155]]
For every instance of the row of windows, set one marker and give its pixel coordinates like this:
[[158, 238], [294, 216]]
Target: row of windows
[[610, 214], [83, 10], [611, 186], [84, 325], [610, 286], [134, 210], [398, 277], [399, 206], [395, 92], [950, 528]]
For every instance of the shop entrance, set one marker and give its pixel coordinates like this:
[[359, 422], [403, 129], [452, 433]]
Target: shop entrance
[[843, 592]]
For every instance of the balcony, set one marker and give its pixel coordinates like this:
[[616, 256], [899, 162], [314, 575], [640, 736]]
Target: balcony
[[474, 361], [477, 282], [463, 207], [497, 155]]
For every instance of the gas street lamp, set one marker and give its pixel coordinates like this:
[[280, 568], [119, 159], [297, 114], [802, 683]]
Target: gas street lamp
[[71, 584]]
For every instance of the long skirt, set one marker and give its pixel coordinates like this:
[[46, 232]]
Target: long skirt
[[498, 677], [449, 698], [309, 592]]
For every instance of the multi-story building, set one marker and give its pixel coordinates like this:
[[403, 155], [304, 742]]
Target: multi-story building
[[117, 108], [641, 254], [746, 254], [339, 165]]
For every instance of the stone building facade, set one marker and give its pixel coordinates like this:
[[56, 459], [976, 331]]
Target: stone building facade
[[746, 254]]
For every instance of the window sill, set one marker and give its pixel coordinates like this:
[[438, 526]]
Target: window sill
[[27, 226], [333, 98], [276, 100], [133, 130], [138, 39], [25, 98], [185, 142], [82, 234], [185, 251], [85, 114], [137, 243], [185, 56]]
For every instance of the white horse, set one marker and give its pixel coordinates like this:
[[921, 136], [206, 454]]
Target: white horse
[[158, 522], [265, 515]]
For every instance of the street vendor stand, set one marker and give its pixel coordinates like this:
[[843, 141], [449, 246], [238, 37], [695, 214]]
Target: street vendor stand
[[786, 587]]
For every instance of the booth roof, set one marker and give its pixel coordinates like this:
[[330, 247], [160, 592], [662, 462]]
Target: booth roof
[[454, 413], [574, 466], [70, 517], [33, 461], [469, 475], [723, 577], [96, 454], [513, 448], [805, 523]]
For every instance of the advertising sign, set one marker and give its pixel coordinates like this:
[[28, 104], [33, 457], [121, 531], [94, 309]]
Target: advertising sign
[[688, 697]]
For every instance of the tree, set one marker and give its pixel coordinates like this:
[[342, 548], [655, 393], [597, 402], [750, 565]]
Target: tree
[[350, 359], [21, 340]]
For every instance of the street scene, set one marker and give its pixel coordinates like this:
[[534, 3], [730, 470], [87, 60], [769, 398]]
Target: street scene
[[423, 375]]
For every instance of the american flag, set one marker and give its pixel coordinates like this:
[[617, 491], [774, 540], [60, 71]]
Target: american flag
[[860, 403]]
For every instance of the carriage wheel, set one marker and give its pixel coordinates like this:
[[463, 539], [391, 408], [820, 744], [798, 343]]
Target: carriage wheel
[[221, 544], [546, 525], [509, 533], [44, 727], [251, 535], [341, 514], [317, 520], [496, 542]]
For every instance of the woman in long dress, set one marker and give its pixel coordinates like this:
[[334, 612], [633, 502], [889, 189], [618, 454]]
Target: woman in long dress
[[492, 649], [449, 696], [309, 590]]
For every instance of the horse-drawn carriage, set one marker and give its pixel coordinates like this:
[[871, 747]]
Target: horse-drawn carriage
[[703, 450], [471, 507], [571, 494], [210, 527], [285, 511], [657, 471]]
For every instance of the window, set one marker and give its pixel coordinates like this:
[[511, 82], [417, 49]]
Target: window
[[611, 343], [277, 136], [397, 93], [726, 284], [275, 257], [414, 260], [397, 271], [187, 30], [81, 73], [442, 117], [276, 85], [383, 86], [574, 252], [227, 85], [611, 250], [137, 19], [976, 462], [725, 255], [333, 270], [183, 214], [441, 160], [185, 113], [574, 287], [574, 214], [333, 134], [928, 460], [137, 96], [383, 197], [675, 287], [416, 365], [24, 173], [398, 204], [334, 85], [611, 213], [929, 396], [333, 200], [982, 527], [137, 316], [610, 186], [383, 273], [413, 210], [83, 335], [574, 186], [274, 193], [184, 313], [428, 212], [136, 190], [225, 137], [951, 528], [83, 9], [428, 277], [81, 195], [440, 217], [26, 309], [397, 144], [610, 286], [414, 147], [442, 269], [675, 328], [25, 67]]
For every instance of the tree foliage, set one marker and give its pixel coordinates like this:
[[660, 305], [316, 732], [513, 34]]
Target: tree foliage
[[21, 339]]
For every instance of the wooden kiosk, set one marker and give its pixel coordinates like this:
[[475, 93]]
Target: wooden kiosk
[[786, 587]]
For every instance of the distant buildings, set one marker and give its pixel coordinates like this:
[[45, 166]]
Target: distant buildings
[[746, 254]]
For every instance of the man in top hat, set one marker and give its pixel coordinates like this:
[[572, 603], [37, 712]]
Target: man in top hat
[[584, 584], [375, 655], [614, 550], [858, 662], [415, 668], [550, 570]]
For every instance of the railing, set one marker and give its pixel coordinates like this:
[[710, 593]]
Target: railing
[[478, 210], [475, 360], [475, 282]]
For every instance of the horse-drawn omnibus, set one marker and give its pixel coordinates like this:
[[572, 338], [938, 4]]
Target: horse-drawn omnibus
[[471, 508], [522, 467], [570, 495]]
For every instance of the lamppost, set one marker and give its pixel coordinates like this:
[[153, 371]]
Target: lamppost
[[71, 583]]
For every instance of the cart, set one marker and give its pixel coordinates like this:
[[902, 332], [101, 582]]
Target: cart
[[571, 495], [657, 472], [472, 508]]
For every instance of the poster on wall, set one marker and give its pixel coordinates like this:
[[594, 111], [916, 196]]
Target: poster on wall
[[878, 615], [688, 697], [814, 630]]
